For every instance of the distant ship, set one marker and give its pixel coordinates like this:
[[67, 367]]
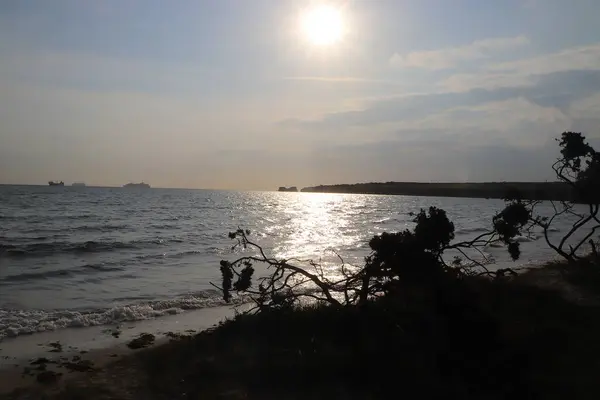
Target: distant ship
[[78, 184], [140, 185], [288, 189], [52, 183]]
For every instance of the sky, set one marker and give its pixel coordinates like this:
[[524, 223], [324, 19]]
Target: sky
[[231, 94]]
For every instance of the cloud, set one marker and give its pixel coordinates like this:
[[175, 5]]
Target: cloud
[[453, 56], [484, 80], [95, 72], [440, 159], [526, 72], [587, 107], [558, 90], [115, 137], [336, 79], [498, 124], [574, 58], [585, 113]]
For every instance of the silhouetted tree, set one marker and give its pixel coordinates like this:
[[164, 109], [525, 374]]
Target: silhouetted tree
[[579, 168], [415, 258], [410, 258]]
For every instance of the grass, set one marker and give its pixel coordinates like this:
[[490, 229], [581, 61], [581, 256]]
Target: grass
[[475, 340]]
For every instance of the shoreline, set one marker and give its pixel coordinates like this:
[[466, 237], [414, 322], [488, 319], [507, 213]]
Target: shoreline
[[24, 347], [120, 371], [478, 190], [99, 345], [23, 373]]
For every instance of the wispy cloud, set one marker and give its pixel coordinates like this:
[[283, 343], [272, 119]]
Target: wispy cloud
[[338, 79], [574, 58], [78, 70], [545, 103], [526, 71], [484, 80], [199, 87], [451, 57]]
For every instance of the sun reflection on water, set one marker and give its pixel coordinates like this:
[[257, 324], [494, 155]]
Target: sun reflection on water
[[315, 219]]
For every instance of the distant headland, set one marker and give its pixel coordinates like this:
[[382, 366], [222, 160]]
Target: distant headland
[[140, 185], [288, 189], [492, 190]]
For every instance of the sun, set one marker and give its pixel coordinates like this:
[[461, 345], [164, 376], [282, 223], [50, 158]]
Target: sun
[[323, 25]]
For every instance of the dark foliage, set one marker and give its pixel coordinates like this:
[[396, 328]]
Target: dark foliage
[[405, 323], [415, 257], [409, 257], [579, 168], [227, 274], [397, 260], [504, 341], [434, 231], [509, 223], [486, 190], [573, 149], [460, 320]]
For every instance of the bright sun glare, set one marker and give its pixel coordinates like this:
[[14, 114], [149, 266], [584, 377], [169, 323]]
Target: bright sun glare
[[323, 25]]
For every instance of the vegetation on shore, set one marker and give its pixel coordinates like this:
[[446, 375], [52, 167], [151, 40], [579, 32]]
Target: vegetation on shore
[[485, 190], [561, 190], [506, 338], [406, 323]]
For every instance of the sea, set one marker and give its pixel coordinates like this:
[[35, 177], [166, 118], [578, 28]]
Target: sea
[[73, 257]]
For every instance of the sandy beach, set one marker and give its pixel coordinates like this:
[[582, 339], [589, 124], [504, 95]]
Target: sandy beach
[[283, 355], [70, 351]]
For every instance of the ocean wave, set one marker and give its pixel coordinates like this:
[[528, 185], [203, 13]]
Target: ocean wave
[[382, 221], [184, 254], [174, 255], [33, 218], [62, 273], [45, 249], [463, 231], [525, 239], [75, 217], [518, 239], [23, 239], [164, 226], [19, 322], [101, 228], [81, 228]]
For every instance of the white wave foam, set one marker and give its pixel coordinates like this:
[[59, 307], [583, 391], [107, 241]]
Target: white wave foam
[[525, 239], [518, 239], [18, 322], [463, 231], [382, 221]]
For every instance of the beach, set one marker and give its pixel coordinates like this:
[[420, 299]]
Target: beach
[[99, 345], [92, 361], [101, 268]]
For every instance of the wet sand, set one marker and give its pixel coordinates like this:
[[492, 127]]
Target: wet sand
[[94, 346]]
